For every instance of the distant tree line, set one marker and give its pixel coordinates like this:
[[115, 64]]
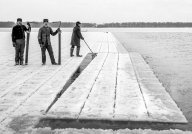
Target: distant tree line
[[39, 24], [147, 24], [6, 24], [94, 25]]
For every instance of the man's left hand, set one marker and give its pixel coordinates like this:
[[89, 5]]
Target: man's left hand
[[59, 30]]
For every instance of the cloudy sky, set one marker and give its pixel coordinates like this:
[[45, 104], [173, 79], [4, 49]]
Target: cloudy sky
[[99, 11]]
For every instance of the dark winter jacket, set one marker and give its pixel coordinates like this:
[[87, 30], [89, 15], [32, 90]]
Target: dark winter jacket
[[18, 32], [44, 35], [76, 36]]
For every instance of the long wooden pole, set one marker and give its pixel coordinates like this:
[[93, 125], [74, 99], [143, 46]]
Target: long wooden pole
[[27, 45], [59, 47]]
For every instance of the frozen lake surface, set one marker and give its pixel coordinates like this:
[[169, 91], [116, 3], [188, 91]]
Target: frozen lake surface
[[169, 54], [167, 50]]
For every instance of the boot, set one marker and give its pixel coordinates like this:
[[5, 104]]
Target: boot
[[77, 53], [71, 52], [16, 63], [21, 62], [54, 63]]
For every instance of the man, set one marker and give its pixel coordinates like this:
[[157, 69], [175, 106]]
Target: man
[[75, 40], [18, 38], [45, 42]]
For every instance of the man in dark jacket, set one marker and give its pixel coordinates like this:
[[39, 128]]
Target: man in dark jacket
[[18, 38], [75, 40], [45, 42]]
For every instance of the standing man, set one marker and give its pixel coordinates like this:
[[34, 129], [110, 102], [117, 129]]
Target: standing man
[[45, 42], [75, 40], [18, 38]]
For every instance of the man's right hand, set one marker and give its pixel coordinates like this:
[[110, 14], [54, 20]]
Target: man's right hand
[[41, 45], [14, 44]]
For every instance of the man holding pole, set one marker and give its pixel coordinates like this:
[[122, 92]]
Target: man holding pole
[[18, 38], [45, 42], [75, 40]]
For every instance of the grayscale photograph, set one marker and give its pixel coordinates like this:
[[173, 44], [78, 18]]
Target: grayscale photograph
[[95, 66]]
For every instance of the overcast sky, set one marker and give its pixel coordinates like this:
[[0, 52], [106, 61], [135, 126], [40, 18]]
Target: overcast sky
[[99, 11]]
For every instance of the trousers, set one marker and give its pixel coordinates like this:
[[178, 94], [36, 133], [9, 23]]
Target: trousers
[[19, 50], [50, 51]]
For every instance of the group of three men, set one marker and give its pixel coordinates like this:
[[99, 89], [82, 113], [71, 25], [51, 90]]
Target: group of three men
[[18, 38]]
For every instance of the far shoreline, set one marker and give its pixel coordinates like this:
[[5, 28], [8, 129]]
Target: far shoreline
[[112, 29]]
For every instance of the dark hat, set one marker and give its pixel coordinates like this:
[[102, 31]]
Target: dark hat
[[78, 22], [45, 20], [19, 19]]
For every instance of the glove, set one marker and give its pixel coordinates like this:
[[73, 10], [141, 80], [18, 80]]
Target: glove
[[58, 30], [29, 26], [14, 44], [41, 45], [40, 42]]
